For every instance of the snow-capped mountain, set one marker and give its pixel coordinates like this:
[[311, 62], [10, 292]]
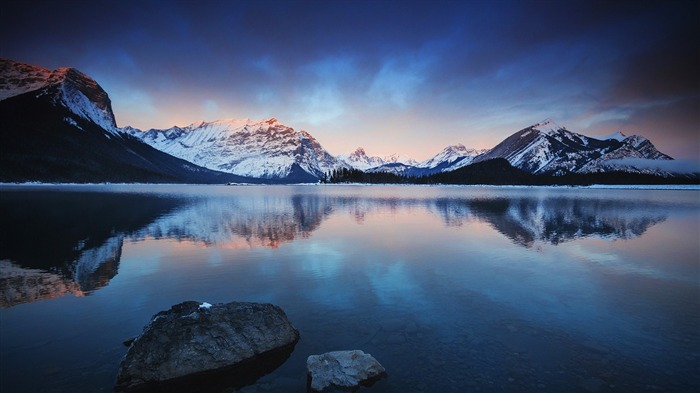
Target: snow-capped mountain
[[396, 168], [68, 87], [58, 126], [396, 158], [450, 158], [617, 135], [359, 159], [254, 148], [546, 148], [543, 148]]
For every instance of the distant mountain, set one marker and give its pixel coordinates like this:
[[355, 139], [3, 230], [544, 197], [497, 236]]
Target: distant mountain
[[358, 159], [396, 168], [453, 157], [58, 126], [450, 158], [546, 148], [265, 149], [396, 158]]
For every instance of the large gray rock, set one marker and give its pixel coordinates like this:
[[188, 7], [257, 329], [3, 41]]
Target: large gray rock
[[193, 338], [342, 371]]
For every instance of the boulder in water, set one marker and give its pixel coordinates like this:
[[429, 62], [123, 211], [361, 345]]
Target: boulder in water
[[193, 340]]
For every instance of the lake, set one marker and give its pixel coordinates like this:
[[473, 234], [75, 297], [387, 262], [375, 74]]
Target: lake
[[452, 289]]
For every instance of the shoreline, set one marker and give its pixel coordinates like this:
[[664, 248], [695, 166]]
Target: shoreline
[[680, 187]]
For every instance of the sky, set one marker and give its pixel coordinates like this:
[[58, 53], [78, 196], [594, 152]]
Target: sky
[[395, 77]]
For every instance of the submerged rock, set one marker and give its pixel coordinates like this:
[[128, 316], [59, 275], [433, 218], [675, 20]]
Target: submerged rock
[[193, 340], [342, 371]]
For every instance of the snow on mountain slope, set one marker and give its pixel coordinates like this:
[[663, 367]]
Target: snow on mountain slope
[[618, 136], [548, 148], [451, 158], [396, 168], [262, 149], [632, 147], [67, 87], [359, 159], [396, 158], [548, 126]]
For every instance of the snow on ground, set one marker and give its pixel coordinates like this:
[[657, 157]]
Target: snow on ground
[[596, 186]]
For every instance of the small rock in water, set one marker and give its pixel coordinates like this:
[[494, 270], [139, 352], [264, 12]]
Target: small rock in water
[[342, 370]]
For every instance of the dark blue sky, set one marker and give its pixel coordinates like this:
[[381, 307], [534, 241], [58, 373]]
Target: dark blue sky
[[405, 77]]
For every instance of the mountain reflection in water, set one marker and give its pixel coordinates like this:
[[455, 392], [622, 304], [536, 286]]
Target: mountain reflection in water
[[555, 220], [56, 243]]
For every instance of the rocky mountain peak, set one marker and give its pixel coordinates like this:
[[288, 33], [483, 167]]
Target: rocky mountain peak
[[18, 78], [547, 126], [252, 148], [89, 87], [359, 152], [618, 136], [78, 92]]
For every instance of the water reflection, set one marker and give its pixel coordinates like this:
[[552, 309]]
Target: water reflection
[[57, 243], [555, 220]]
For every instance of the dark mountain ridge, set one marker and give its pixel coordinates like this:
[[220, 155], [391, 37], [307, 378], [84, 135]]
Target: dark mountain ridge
[[48, 143]]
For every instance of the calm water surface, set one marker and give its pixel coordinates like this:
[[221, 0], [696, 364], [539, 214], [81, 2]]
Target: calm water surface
[[452, 289]]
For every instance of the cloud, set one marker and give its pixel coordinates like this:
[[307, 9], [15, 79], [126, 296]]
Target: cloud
[[210, 109], [459, 71], [322, 104], [132, 105], [398, 82], [671, 125]]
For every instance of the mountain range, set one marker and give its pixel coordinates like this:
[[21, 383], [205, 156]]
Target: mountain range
[[59, 126], [264, 149]]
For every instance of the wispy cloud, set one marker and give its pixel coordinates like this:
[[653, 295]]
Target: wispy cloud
[[419, 74]]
